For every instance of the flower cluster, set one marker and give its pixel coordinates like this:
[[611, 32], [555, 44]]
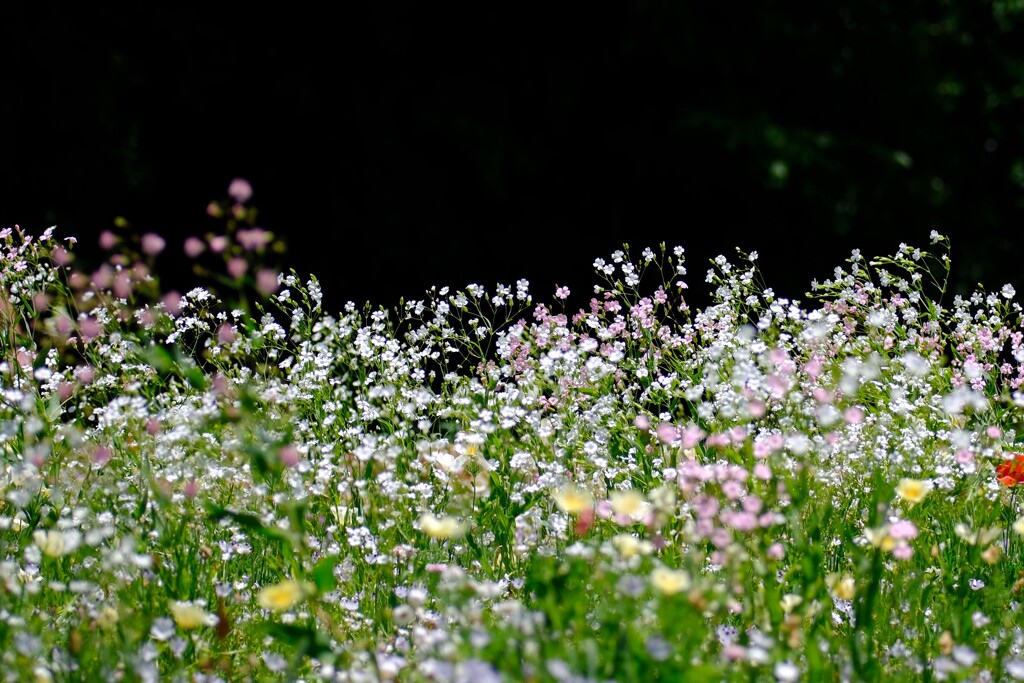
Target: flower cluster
[[232, 483]]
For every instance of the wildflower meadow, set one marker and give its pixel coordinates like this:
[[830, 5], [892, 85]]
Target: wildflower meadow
[[231, 483]]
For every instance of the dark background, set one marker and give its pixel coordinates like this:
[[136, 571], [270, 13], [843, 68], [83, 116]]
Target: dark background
[[400, 145]]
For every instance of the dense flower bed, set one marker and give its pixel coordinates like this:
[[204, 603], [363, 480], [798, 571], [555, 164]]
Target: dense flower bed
[[234, 484]]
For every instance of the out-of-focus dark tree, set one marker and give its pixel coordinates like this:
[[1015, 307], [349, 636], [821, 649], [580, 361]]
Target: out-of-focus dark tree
[[432, 143]]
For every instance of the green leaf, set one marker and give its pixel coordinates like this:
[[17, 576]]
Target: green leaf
[[252, 523], [308, 641], [323, 574]]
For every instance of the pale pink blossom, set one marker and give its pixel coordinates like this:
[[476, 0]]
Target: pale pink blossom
[[108, 240], [218, 243], [153, 244], [240, 190], [289, 455], [226, 334], [194, 247], [253, 238], [266, 281], [237, 267], [172, 302]]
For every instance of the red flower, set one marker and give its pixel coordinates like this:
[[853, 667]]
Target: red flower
[[1011, 472]]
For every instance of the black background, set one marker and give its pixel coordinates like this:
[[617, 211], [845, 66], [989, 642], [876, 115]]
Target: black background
[[401, 145]]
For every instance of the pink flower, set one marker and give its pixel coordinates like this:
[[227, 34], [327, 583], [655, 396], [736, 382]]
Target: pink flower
[[741, 521], [289, 455], [101, 456], [64, 325], [692, 436], [172, 302], [108, 240], [562, 293], [903, 530], [266, 281], [752, 504], [40, 301], [218, 243], [89, 328], [194, 247], [61, 256], [226, 334], [240, 190], [123, 285], [667, 432], [902, 551], [103, 276], [237, 267], [65, 390], [153, 243], [253, 238], [756, 408]]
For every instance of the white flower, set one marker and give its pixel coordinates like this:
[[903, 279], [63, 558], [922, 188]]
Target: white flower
[[1015, 667], [56, 543], [786, 671]]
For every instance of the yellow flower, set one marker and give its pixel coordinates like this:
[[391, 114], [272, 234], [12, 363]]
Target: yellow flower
[[670, 581], [441, 527], [842, 585], [630, 503], [630, 546], [282, 596], [880, 538], [913, 490], [572, 500], [189, 615]]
